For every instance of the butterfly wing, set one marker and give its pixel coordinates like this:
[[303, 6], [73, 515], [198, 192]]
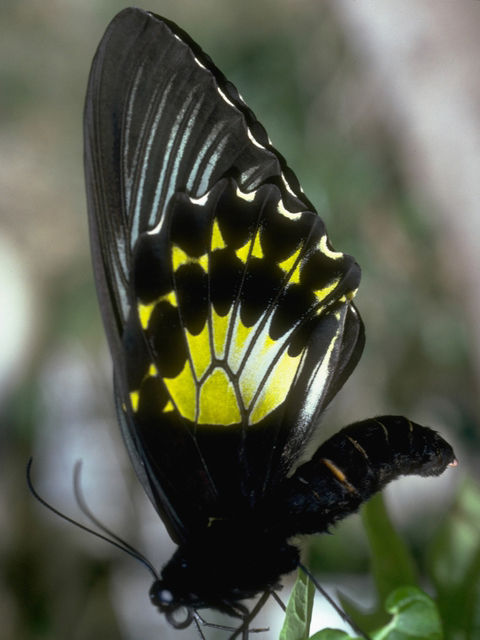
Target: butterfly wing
[[228, 313], [160, 118]]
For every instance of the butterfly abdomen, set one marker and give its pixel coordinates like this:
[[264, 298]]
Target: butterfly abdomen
[[358, 461]]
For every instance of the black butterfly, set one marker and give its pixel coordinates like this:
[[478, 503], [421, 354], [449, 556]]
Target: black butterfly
[[230, 321]]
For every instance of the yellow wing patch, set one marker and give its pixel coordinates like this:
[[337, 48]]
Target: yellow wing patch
[[220, 327], [168, 407], [256, 250], [241, 339], [321, 294], [145, 310], [217, 238], [264, 369], [152, 371], [287, 266], [182, 390], [351, 294], [257, 247], [275, 389], [199, 347], [144, 313], [243, 252], [218, 400], [233, 372], [179, 258], [134, 400]]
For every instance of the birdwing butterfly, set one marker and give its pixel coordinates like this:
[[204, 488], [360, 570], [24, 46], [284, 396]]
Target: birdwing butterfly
[[230, 321]]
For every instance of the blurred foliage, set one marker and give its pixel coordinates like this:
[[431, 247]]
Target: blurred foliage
[[298, 616], [409, 613], [391, 563], [294, 67], [414, 617], [454, 566]]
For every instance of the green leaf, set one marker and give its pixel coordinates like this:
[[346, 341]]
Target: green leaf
[[299, 610], [392, 564], [415, 617], [454, 563]]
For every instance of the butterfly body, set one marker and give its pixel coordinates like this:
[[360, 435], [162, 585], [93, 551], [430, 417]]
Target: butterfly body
[[230, 321], [221, 570]]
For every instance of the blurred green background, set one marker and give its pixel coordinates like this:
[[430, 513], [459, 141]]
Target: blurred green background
[[308, 71]]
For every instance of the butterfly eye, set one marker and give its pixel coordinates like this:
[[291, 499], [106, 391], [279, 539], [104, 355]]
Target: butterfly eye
[[160, 597], [165, 596], [178, 617]]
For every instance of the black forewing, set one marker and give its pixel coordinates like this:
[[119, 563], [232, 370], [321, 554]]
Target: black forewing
[[161, 120], [155, 124]]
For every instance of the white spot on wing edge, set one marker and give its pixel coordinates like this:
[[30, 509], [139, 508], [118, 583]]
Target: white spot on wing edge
[[227, 100], [199, 63], [249, 197], [200, 201], [288, 214], [322, 245], [255, 142], [157, 229], [289, 188]]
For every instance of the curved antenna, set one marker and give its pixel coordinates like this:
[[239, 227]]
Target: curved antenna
[[82, 503], [116, 542], [345, 617]]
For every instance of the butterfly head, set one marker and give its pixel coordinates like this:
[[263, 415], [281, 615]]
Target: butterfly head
[[178, 614], [174, 593]]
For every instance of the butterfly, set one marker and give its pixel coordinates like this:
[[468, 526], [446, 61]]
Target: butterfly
[[231, 324]]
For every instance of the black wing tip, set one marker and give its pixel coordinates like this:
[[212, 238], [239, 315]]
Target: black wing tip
[[133, 19]]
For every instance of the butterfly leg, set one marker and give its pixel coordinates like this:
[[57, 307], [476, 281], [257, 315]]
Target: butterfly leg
[[198, 620], [244, 628], [247, 618], [345, 617], [278, 599]]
